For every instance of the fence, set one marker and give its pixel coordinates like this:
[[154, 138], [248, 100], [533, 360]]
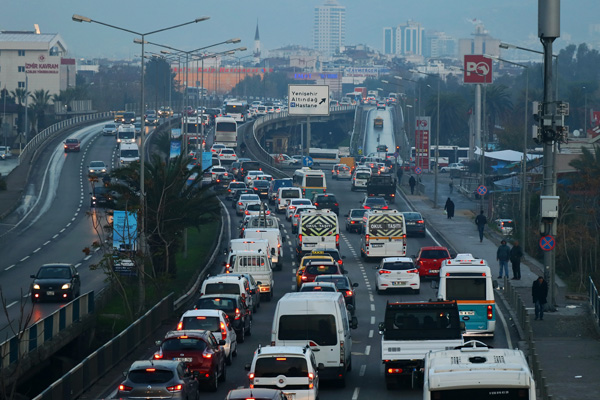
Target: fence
[[49, 132], [33, 337], [93, 367], [594, 301]]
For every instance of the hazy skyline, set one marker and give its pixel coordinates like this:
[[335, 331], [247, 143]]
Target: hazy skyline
[[283, 22]]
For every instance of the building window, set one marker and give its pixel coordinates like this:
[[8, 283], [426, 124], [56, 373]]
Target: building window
[[21, 53], [21, 68], [22, 84]]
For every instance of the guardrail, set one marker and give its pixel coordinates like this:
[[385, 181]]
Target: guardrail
[[17, 348], [49, 132], [91, 369], [594, 300]]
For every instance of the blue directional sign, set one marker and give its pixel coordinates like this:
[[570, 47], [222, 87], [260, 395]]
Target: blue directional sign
[[307, 161], [547, 243], [481, 190]]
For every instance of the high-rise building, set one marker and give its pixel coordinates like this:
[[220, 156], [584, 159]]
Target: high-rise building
[[439, 45], [329, 27], [480, 43], [404, 39]]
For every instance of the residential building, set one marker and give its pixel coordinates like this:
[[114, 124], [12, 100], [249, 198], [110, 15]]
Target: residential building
[[406, 40], [329, 27], [480, 43], [439, 45]]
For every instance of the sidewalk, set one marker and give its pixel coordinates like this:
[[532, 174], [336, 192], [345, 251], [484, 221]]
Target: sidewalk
[[567, 343]]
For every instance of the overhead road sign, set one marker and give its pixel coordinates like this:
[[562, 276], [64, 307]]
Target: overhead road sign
[[307, 100]]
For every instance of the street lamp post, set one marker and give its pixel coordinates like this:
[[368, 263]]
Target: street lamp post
[[80, 18], [584, 112]]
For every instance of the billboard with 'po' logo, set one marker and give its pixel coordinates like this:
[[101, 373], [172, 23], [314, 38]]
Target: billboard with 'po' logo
[[477, 69]]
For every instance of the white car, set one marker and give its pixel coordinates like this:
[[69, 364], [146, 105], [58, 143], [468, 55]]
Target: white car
[[291, 208], [296, 216], [216, 148], [251, 175], [264, 177], [341, 171], [216, 171], [228, 155], [215, 321], [253, 208], [318, 287], [240, 207], [397, 273], [454, 167], [285, 160]]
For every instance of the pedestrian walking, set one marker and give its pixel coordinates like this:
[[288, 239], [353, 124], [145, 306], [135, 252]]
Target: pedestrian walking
[[412, 182], [502, 256], [516, 253], [481, 222], [449, 208], [399, 173], [539, 292], [451, 184]]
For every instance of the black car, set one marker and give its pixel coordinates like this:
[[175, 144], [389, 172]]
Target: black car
[[55, 282], [343, 285], [237, 194], [415, 224], [354, 220], [261, 188], [334, 253], [326, 201], [102, 197], [234, 306], [222, 182]]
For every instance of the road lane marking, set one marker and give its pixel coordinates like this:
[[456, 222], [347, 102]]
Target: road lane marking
[[368, 350], [289, 242], [87, 257], [72, 219], [372, 307], [371, 333], [69, 224], [38, 249], [55, 236], [11, 304], [9, 267], [45, 244], [77, 265], [355, 394], [363, 368], [24, 258], [62, 230], [372, 320]]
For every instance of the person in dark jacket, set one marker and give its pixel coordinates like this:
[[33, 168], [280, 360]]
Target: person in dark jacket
[[503, 255], [481, 222], [449, 208], [539, 292], [412, 182], [516, 253]]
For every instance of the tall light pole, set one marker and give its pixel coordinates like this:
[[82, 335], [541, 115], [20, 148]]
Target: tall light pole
[[524, 162], [142, 248], [584, 112]]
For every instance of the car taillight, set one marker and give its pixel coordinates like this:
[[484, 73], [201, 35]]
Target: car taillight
[[413, 271], [337, 239], [296, 215], [384, 207], [348, 293], [247, 212], [240, 203], [490, 312], [180, 326], [124, 388], [336, 204], [340, 262], [366, 207], [304, 278], [420, 221], [311, 378], [223, 331], [316, 204], [238, 314], [206, 355], [251, 378], [384, 271], [176, 388], [300, 238], [367, 240]]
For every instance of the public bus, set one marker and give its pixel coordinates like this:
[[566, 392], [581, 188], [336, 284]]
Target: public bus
[[475, 371], [237, 110], [468, 281], [355, 97], [226, 131], [310, 181], [448, 154], [324, 156]]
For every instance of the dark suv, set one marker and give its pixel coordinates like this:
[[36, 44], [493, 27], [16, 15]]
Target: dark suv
[[234, 306], [326, 201]]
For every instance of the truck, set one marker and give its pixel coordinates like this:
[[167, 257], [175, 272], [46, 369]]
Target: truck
[[258, 265], [362, 90], [374, 93], [378, 123], [410, 330], [382, 185]]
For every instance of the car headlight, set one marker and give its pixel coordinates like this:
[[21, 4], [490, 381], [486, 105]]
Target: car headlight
[[91, 171], [66, 286], [36, 286], [104, 170]]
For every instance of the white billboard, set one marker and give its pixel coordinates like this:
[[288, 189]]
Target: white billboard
[[308, 100]]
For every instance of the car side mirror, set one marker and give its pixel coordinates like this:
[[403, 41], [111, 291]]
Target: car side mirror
[[355, 284], [381, 327], [346, 215], [32, 276], [157, 342], [321, 367], [258, 282], [222, 342], [343, 257], [125, 374]]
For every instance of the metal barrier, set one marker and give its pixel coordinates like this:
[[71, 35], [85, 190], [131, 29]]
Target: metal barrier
[[93, 367], [47, 133], [44, 330], [594, 300]]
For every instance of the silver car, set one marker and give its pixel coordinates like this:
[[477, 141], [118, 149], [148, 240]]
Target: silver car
[[240, 207], [158, 379]]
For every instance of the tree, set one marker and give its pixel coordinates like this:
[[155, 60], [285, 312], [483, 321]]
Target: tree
[[40, 104], [453, 118]]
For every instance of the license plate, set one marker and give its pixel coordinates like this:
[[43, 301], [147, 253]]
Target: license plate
[[310, 245], [184, 359], [50, 293], [410, 223], [466, 312], [398, 283], [434, 271], [377, 245]]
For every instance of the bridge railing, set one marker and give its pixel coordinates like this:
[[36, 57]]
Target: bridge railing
[[594, 300], [49, 132], [30, 339]]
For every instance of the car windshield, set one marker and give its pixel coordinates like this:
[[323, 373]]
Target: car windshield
[[202, 323], [216, 304], [150, 375], [357, 213], [291, 193], [313, 269], [97, 164], [398, 265], [375, 201], [326, 199], [427, 254], [316, 288], [235, 185], [183, 343], [54, 273], [253, 207], [110, 126], [222, 288], [271, 367], [261, 184], [340, 281], [72, 141], [129, 153], [249, 197], [412, 216]]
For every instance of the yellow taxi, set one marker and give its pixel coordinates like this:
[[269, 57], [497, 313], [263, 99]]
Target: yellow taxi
[[314, 256]]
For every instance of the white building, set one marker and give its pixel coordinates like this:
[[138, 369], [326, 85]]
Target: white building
[[406, 40], [329, 27], [32, 60], [480, 43], [439, 45]]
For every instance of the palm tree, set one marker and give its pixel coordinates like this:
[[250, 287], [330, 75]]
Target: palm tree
[[453, 117], [40, 103], [498, 105]]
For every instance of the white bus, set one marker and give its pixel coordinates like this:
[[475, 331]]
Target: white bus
[[310, 181], [324, 156], [237, 110], [474, 371], [226, 131]]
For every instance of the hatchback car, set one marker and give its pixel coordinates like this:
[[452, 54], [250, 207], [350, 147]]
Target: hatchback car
[[326, 201], [293, 204], [415, 223], [236, 309], [158, 379], [261, 188], [397, 273], [201, 353], [354, 220], [109, 130], [227, 155], [255, 208], [72, 144], [102, 196], [252, 175], [217, 170], [429, 260], [237, 194], [305, 261], [215, 321], [97, 168], [505, 226], [315, 268], [375, 203], [55, 282], [318, 287], [232, 187], [245, 198]]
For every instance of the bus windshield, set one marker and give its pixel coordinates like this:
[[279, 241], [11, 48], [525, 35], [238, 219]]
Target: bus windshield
[[314, 181], [466, 289], [226, 126]]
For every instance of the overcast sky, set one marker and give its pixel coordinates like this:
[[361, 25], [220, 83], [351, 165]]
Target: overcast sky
[[283, 22]]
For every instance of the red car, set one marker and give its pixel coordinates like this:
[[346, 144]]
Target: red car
[[429, 260], [199, 350], [313, 269], [72, 145]]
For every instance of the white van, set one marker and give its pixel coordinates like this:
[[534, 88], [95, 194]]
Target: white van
[[273, 235], [228, 284], [235, 245], [321, 321], [361, 178], [126, 134], [285, 194], [128, 153], [258, 265]]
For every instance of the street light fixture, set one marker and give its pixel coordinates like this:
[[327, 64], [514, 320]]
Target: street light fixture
[[81, 18]]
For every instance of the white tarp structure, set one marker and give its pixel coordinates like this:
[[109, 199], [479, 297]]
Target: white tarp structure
[[507, 155]]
